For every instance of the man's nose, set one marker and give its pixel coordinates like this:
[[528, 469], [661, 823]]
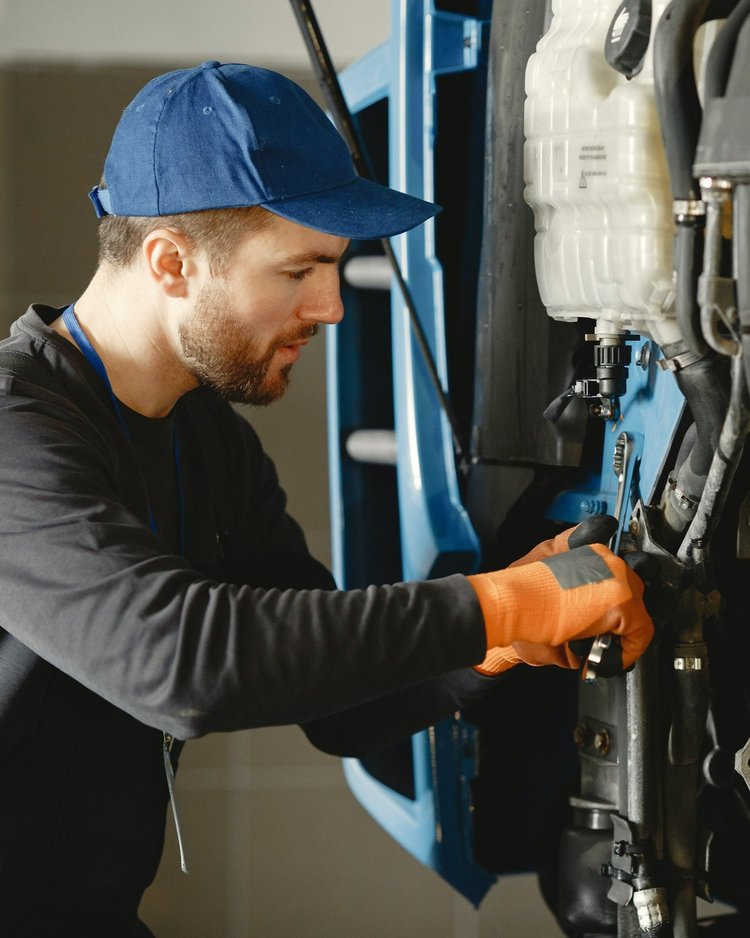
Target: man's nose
[[323, 303]]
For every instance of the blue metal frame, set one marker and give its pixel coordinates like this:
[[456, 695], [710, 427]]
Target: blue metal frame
[[424, 43], [437, 536]]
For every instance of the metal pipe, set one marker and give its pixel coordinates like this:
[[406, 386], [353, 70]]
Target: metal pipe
[[649, 914]]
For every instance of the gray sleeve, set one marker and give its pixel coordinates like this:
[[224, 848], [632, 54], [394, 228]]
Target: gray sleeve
[[363, 730], [87, 587]]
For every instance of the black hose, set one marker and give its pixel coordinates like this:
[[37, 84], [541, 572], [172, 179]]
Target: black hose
[[721, 56], [680, 115], [688, 251], [696, 542], [705, 387], [677, 101], [742, 268]]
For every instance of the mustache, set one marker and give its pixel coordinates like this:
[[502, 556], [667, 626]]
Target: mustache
[[296, 335]]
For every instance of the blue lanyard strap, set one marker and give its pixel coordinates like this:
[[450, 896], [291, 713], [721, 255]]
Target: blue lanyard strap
[[93, 358]]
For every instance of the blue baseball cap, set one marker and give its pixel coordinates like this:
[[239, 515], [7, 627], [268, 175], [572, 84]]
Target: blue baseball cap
[[225, 136]]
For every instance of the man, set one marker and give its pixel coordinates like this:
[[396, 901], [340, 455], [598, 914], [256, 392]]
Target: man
[[153, 586]]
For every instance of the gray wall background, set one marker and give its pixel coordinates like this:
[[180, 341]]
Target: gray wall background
[[277, 845]]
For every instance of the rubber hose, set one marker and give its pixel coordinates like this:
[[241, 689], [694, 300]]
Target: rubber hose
[[722, 52], [742, 273], [705, 386], [688, 250], [677, 102]]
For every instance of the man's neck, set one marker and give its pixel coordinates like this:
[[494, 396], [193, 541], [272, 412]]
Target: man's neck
[[128, 332]]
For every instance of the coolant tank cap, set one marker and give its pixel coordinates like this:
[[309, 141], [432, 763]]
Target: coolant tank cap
[[628, 37]]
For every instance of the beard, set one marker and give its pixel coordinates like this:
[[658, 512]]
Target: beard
[[220, 354]]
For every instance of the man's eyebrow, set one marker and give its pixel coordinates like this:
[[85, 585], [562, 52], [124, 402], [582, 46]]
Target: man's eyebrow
[[312, 258]]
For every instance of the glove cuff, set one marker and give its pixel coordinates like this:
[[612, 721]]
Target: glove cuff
[[506, 598], [498, 660]]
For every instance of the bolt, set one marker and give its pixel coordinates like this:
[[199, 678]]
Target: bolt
[[601, 742], [634, 527], [643, 356], [579, 735]]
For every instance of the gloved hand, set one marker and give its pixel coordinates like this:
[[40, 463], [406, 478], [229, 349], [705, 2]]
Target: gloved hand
[[647, 567], [599, 529], [570, 595], [595, 530]]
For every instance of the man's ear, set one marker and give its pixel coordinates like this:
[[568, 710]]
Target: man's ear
[[170, 261]]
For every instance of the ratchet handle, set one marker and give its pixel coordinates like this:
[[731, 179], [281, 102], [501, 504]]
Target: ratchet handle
[[602, 656]]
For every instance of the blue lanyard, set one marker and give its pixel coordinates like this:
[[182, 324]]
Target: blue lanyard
[[92, 357]]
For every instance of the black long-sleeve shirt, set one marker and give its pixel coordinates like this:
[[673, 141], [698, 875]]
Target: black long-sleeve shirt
[[108, 637]]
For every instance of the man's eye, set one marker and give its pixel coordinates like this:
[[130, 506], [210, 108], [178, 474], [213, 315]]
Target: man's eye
[[300, 274]]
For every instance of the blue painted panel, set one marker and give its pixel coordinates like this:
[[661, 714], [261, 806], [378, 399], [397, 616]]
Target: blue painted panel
[[650, 410], [368, 79], [436, 534]]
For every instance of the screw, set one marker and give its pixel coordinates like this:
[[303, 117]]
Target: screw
[[601, 742], [596, 506], [643, 356]]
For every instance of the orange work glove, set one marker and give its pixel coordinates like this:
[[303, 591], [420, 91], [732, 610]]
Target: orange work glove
[[576, 594], [598, 529], [595, 530]]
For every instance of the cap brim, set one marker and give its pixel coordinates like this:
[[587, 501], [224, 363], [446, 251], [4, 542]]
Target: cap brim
[[360, 210]]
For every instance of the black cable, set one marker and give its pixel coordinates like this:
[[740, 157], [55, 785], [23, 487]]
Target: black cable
[[329, 83], [328, 80]]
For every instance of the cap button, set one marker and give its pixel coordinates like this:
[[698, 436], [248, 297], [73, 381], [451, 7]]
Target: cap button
[[210, 64]]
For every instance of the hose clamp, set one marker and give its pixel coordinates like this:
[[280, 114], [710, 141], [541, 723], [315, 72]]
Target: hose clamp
[[684, 500], [688, 211], [678, 362]]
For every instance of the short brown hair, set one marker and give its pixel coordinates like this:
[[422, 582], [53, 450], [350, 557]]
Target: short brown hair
[[217, 231]]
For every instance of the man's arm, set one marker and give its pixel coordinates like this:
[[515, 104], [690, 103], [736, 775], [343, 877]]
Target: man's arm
[[89, 588], [368, 728]]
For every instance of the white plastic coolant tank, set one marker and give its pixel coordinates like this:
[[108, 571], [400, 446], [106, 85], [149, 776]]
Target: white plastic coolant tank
[[597, 179]]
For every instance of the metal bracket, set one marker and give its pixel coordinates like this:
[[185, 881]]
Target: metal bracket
[[621, 868]]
